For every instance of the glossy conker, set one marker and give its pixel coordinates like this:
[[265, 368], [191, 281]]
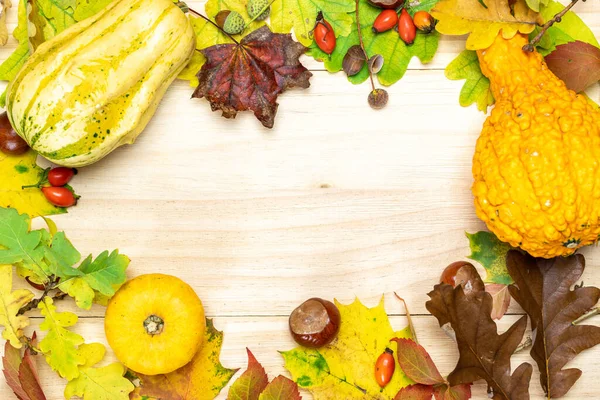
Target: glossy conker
[[315, 323], [387, 4], [10, 142], [462, 273]]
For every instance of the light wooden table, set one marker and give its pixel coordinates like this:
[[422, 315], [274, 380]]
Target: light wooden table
[[337, 201]]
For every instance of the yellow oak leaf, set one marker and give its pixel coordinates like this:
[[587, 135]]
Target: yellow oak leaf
[[202, 379], [344, 368], [484, 19], [106, 383], [60, 346], [18, 171], [10, 304]]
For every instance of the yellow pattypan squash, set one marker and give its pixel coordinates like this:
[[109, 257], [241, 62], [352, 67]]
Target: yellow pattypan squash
[[536, 164], [155, 324]]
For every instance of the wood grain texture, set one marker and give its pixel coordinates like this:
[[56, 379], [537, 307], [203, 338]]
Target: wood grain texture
[[337, 201]]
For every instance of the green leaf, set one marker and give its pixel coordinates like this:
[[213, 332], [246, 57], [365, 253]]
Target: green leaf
[[301, 16], [104, 275], [570, 29], [12, 65], [490, 252], [106, 383], [60, 345], [88, 8], [395, 52], [477, 87], [535, 5]]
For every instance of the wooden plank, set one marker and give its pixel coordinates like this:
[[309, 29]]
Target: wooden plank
[[266, 335]]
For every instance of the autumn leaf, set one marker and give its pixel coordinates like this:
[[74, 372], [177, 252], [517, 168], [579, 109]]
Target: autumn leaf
[[105, 383], [483, 23], [543, 288], [576, 63], [458, 392], [12, 65], [60, 346], [250, 75], [203, 378], [500, 298], [5, 5], [10, 304], [417, 364], [344, 368], [536, 5], [17, 171], [251, 383], [490, 252], [301, 15], [21, 373], [415, 392], [483, 353], [395, 52], [477, 86], [281, 388]]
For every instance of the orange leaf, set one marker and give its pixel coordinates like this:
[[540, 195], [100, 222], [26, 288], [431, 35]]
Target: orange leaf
[[251, 384]]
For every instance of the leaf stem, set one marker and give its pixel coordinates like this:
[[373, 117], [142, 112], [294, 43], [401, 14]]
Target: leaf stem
[[362, 44], [196, 13], [410, 322], [52, 285], [557, 18], [587, 315]]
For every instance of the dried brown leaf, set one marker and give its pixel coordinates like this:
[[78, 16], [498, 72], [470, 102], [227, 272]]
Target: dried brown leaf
[[543, 288]]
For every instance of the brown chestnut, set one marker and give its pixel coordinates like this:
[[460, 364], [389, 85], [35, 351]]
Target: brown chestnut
[[10, 142], [387, 4], [315, 323], [464, 274]]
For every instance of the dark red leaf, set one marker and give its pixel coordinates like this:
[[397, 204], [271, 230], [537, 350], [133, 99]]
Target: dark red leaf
[[417, 363], [281, 388], [415, 392], [576, 63], [483, 353], [11, 361], [543, 288], [251, 75], [29, 378], [21, 373], [459, 392]]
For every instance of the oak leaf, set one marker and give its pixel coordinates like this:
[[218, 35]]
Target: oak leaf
[[105, 383], [576, 63], [344, 368], [202, 379], [476, 88], [543, 288], [5, 5], [10, 304], [483, 353], [490, 252], [484, 20], [250, 75], [21, 373], [60, 346]]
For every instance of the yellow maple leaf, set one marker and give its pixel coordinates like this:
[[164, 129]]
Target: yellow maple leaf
[[10, 304], [483, 23], [344, 368], [18, 171]]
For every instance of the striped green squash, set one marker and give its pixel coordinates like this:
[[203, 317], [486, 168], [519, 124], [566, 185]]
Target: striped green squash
[[95, 86]]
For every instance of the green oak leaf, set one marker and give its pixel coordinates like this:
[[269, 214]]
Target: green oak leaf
[[105, 383], [60, 345], [395, 52], [535, 5], [490, 252], [477, 87]]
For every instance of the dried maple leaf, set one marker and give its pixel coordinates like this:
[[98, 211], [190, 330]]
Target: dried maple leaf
[[483, 353], [543, 288], [21, 373], [483, 21], [250, 75], [576, 63], [202, 379]]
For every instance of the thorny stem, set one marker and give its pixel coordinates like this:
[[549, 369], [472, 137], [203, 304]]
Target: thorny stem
[[196, 13], [362, 44], [557, 18]]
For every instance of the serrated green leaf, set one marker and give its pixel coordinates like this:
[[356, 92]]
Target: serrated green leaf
[[490, 252], [88, 8], [60, 345], [301, 16], [12, 65], [106, 383], [477, 87], [395, 52], [10, 304]]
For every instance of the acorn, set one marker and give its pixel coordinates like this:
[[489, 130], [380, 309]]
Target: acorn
[[315, 323], [231, 22], [256, 6]]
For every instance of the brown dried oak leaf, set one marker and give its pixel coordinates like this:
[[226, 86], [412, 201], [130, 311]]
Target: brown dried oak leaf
[[543, 288], [250, 75], [483, 353]]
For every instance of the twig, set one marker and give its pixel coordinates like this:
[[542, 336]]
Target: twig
[[525, 343], [35, 302], [196, 13], [587, 315], [557, 18], [362, 44], [413, 331]]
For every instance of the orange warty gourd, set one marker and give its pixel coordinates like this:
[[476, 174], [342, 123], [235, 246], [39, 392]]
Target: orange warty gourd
[[537, 161]]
